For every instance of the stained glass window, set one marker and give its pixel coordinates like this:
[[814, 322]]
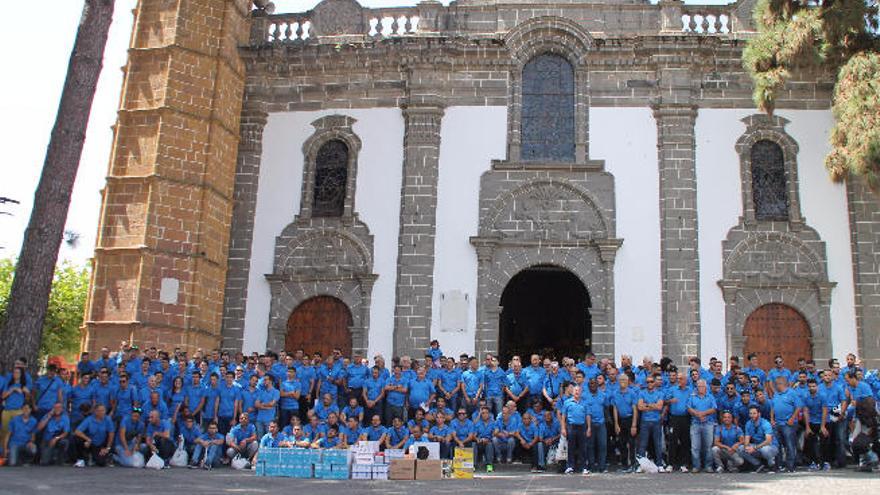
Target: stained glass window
[[548, 109], [331, 176], [769, 187]]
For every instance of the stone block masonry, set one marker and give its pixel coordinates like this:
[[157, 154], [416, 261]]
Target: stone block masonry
[[161, 255]]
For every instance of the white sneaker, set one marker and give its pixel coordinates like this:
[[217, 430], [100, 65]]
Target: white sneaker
[[667, 469], [569, 470], [586, 472], [684, 469], [80, 464]]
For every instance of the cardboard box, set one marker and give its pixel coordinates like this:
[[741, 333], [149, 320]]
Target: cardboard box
[[463, 474], [394, 454], [433, 449], [402, 469], [429, 470], [464, 455]]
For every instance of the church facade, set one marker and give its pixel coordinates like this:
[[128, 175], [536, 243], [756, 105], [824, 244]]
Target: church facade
[[502, 176]]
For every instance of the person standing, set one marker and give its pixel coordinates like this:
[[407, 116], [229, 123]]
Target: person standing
[[626, 419], [679, 439], [834, 399], [815, 417], [575, 428], [650, 405], [289, 392], [784, 412], [702, 408]]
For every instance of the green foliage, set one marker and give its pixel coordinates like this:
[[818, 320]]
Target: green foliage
[[70, 285], [838, 36]]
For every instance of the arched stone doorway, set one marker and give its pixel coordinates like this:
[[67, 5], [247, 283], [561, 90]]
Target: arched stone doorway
[[544, 309], [320, 324], [777, 329]]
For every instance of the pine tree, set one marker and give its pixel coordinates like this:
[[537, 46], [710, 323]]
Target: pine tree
[[841, 36]]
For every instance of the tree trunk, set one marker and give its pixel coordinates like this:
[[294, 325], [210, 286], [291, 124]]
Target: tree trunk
[[29, 296]]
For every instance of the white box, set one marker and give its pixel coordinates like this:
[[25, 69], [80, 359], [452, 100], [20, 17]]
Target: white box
[[433, 449]]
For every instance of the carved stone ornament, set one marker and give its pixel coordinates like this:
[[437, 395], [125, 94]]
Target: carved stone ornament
[[337, 17], [550, 212]]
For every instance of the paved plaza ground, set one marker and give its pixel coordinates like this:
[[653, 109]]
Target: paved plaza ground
[[98, 481]]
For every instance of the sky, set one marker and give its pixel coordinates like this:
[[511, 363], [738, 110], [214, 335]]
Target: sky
[[35, 56]]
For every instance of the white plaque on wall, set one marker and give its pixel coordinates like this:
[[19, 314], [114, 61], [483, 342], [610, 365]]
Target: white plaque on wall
[[453, 311]]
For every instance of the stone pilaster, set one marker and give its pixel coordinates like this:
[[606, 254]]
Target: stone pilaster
[[247, 178], [864, 225], [418, 206], [680, 266]]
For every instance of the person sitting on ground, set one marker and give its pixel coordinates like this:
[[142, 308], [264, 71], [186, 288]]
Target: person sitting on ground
[[190, 431], [21, 442], [297, 438], [442, 434], [158, 437], [759, 442], [332, 440], [55, 430], [208, 448], [504, 436], [353, 409], [375, 432], [397, 435], [529, 438], [728, 444], [351, 432], [462, 430], [326, 407], [130, 438], [242, 439], [94, 437]]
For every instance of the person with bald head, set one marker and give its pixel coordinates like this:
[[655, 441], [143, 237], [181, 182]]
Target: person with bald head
[[158, 437]]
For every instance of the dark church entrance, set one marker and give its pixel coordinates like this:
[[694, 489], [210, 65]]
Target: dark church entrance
[[545, 310]]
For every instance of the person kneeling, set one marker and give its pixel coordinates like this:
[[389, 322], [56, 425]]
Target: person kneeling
[[242, 439], [158, 436], [208, 448], [530, 442]]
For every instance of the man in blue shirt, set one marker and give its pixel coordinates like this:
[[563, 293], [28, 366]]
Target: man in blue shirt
[[676, 398], [650, 405], [702, 408], [754, 369], [472, 386], [242, 439], [529, 438], [625, 413], [209, 446], [397, 435], [462, 430], [130, 438], [395, 395], [786, 406], [54, 429], [421, 391], [449, 383], [576, 428], [597, 441], [195, 397], [441, 433], [327, 405], [21, 443], [375, 432], [504, 438], [779, 371], [534, 376], [228, 402], [158, 437], [834, 399], [588, 366], [48, 391], [495, 380], [94, 437], [484, 429], [266, 404], [289, 392], [759, 442], [815, 417], [373, 393], [553, 383], [356, 373], [728, 444], [307, 379]]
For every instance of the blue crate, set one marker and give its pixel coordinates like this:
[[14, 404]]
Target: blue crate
[[260, 468], [315, 456], [335, 456], [321, 469]]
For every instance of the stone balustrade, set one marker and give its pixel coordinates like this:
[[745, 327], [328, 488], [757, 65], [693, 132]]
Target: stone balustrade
[[707, 20]]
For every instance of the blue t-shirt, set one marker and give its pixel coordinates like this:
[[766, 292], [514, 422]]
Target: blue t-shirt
[[78, 397], [650, 397], [55, 426], [357, 374], [307, 377], [441, 431], [420, 392], [597, 406], [132, 429], [814, 405], [351, 434], [495, 381], [590, 371], [449, 379], [758, 432], [678, 408], [549, 430], [374, 433], [702, 404], [240, 432], [624, 400], [164, 426], [125, 400], [397, 435], [14, 400], [861, 391], [758, 372], [576, 411], [552, 383], [356, 412], [728, 435], [741, 412], [462, 427], [313, 431], [534, 376], [248, 398], [265, 397], [393, 397], [289, 403], [270, 442], [528, 433], [472, 381], [776, 373], [832, 395], [323, 411], [516, 383], [484, 429], [194, 396], [47, 392], [96, 429], [227, 395], [373, 387], [20, 431], [785, 404], [510, 425]]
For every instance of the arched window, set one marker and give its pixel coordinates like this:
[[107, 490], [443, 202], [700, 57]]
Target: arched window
[[331, 179], [548, 109], [769, 186]]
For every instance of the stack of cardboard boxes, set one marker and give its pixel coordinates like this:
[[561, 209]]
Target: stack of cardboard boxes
[[369, 463], [463, 464]]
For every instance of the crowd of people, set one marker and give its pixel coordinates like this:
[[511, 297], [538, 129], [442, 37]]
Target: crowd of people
[[126, 407]]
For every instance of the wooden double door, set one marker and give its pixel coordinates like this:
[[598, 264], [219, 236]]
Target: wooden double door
[[320, 324], [777, 329]]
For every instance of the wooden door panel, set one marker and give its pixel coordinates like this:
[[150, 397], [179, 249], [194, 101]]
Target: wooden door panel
[[777, 329], [320, 324]]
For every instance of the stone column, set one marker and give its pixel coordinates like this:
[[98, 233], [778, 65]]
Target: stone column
[[418, 210], [244, 196], [680, 266], [864, 225]]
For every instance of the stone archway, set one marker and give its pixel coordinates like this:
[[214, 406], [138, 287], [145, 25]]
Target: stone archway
[[544, 309]]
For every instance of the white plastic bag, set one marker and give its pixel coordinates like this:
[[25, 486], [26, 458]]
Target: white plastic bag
[[137, 460], [155, 462], [647, 465], [240, 462], [562, 449], [179, 459]]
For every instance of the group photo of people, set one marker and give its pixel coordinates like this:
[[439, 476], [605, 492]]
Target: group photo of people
[[584, 415]]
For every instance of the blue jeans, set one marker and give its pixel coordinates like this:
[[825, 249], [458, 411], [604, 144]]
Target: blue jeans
[[212, 456], [839, 434], [504, 448], [651, 430], [766, 453], [261, 427], [787, 436], [127, 461], [597, 447], [21, 453], [495, 404], [536, 452], [577, 446], [488, 451], [702, 436]]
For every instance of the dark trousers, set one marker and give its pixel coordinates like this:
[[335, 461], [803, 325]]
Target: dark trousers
[[284, 416], [357, 393], [812, 443], [164, 448], [53, 455], [679, 442], [369, 412], [83, 452], [597, 447], [223, 425], [392, 412], [626, 443], [577, 446]]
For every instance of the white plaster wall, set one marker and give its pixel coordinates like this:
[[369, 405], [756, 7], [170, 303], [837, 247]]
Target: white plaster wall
[[471, 137], [626, 138], [377, 201], [719, 201]]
